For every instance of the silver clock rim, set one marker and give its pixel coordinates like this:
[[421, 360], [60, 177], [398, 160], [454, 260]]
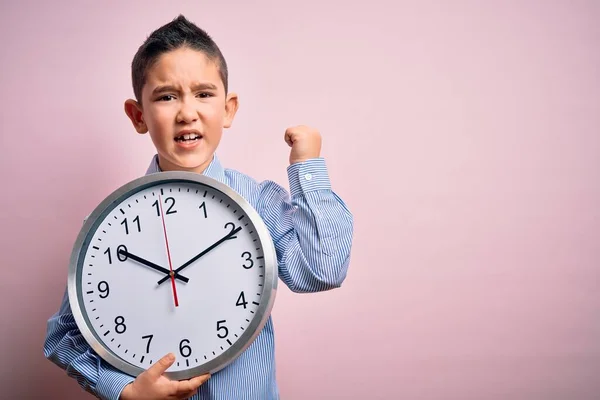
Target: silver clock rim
[[262, 314]]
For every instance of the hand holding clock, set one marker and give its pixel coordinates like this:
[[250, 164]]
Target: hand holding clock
[[152, 384]]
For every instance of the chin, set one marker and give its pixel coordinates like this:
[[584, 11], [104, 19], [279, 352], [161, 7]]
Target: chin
[[193, 165], [193, 162]]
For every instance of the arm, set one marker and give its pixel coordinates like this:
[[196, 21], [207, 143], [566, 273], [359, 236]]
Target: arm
[[66, 347], [312, 231]]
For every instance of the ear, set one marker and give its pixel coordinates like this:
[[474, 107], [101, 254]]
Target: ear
[[133, 109], [231, 107]]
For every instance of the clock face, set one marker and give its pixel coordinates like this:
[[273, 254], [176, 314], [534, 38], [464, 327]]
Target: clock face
[[133, 310]]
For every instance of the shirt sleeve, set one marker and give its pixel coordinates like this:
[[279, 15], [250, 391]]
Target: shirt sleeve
[[66, 347], [312, 228]]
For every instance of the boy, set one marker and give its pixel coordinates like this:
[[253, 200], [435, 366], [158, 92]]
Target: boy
[[180, 84]]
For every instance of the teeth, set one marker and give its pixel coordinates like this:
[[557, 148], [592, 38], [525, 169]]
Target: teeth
[[188, 136]]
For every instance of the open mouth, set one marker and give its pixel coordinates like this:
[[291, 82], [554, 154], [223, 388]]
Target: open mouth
[[188, 138]]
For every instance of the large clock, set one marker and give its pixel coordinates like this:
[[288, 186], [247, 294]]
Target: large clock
[[172, 262]]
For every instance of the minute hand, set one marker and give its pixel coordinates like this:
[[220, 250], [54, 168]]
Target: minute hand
[[230, 235]]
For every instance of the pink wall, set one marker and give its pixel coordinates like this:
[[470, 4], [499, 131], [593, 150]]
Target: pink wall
[[465, 137]]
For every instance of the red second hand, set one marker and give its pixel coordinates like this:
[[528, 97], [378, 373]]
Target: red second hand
[[168, 253]]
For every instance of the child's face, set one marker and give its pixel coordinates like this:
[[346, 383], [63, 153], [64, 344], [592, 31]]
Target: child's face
[[183, 94]]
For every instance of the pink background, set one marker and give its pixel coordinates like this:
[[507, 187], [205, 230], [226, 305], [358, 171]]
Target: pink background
[[464, 136]]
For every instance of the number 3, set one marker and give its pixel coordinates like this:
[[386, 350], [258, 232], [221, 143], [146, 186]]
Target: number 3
[[249, 258]]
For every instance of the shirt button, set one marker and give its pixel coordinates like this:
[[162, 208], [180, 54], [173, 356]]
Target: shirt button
[[308, 177]]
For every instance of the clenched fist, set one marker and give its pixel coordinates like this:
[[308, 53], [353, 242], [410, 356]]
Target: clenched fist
[[304, 141]]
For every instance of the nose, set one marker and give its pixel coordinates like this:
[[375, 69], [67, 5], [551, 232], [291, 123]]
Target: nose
[[187, 112]]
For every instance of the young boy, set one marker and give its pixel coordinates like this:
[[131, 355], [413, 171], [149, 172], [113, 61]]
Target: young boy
[[182, 100]]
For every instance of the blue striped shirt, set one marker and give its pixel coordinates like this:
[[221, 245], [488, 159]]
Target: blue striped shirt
[[312, 231]]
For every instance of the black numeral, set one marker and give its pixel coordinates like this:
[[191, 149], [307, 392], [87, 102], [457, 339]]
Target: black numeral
[[120, 257], [103, 289], [169, 211], [185, 348], [233, 230], [249, 258], [222, 327], [136, 220], [203, 208], [241, 301], [120, 325], [109, 257], [172, 204], [149, 337]]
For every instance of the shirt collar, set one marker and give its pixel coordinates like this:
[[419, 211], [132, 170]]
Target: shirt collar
[[214, 169]]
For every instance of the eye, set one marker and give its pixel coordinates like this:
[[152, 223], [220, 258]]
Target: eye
[[166, 97], [204, 95]]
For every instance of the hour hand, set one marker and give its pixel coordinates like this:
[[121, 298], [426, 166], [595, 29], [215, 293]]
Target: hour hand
[[125, 253]]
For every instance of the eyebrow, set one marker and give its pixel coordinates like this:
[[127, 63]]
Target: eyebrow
[[171, 88]]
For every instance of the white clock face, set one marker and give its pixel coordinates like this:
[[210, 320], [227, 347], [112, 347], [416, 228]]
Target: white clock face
[[221, 289]]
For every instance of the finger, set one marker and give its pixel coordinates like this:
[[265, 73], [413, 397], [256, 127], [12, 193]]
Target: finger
[[288, 138], [191, 385], [199, 380], [161, 366]]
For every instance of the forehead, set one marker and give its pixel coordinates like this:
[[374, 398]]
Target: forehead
[[183, 67]]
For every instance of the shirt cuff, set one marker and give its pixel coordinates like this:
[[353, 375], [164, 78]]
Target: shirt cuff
[[111, 383], [308, 176]]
